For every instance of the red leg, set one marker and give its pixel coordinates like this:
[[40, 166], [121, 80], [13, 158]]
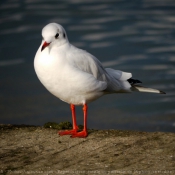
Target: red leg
[[74, 117], [75, 127], [83, 133]]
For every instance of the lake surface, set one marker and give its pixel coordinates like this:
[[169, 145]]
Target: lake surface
[[135, 36]]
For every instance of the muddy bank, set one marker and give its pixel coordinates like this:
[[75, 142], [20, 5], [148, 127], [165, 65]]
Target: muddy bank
[[37, 150]]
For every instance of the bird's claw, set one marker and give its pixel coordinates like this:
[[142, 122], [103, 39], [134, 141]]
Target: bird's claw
[[67, 132], [81, 134], [73, 133]]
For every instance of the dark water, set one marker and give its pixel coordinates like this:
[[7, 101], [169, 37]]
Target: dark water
[[135, 36]]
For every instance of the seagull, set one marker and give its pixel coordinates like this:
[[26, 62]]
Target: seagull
[[76, 77]]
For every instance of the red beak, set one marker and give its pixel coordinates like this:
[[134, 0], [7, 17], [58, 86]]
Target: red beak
[[44, 46]]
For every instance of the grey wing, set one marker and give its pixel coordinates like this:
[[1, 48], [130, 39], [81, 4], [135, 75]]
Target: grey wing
[[116, 80], [88, 63]]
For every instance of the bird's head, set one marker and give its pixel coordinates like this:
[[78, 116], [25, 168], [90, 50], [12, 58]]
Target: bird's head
[[53, 34]]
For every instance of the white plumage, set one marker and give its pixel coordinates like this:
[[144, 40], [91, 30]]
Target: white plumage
[[74, 75]]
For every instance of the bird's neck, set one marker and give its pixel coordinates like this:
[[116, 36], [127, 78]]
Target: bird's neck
[[60, 43]]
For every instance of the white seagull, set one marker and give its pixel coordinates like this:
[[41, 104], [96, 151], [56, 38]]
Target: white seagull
[[77, 77]]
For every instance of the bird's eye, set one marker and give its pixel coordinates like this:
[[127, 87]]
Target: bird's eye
[[56, 36]]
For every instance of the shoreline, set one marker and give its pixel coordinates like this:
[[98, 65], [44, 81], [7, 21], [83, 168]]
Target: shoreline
[[38, 150]]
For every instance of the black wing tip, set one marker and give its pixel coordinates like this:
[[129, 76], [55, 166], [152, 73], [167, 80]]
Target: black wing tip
[[161, 92], [134, 81]]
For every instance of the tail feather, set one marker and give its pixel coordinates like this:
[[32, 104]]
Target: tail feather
[[145, 89]]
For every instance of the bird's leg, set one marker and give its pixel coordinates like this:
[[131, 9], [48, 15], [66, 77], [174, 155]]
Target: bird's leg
[[83, 133], [75, 127]]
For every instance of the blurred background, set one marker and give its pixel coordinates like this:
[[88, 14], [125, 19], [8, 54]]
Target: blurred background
[[135, 36]]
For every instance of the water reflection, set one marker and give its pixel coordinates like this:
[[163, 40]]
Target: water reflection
[[162, 49], [11, 62], [85, 27]]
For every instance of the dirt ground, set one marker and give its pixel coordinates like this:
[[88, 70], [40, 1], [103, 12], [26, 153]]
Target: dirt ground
[[38, 150]]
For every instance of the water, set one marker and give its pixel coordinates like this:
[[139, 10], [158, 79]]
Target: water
[[135, 36]]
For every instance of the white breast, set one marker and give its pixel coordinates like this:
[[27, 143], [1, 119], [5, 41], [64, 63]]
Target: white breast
[[65, 81]]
